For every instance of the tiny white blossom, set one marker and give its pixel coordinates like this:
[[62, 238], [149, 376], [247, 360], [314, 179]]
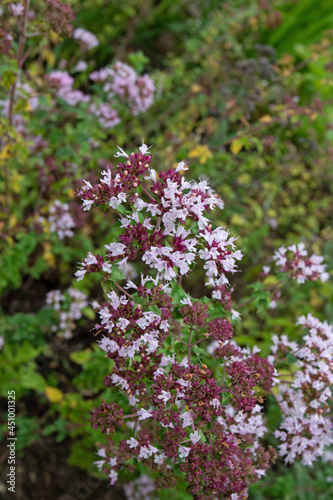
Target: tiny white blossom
[[113, 477], [215, 402], [122, 153], [195, 437], [107, 268], [187, 419], [165, 396], [183, 451], [133, 443], [181, 166], [143, 414], [87, 204], [144, 148], [235, 314]]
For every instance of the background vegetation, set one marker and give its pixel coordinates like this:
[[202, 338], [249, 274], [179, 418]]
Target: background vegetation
[[244, 91]]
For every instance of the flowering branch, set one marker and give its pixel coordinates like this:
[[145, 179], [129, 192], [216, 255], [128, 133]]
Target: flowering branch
[[178, 401]]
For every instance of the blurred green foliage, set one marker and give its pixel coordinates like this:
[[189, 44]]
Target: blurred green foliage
[[244, 91]]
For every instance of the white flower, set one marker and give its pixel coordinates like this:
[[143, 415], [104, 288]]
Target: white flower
[[88, 39], [88, 184], [144, 148], [80, 66], [87, 204], [122, 153], [108, 345], [235, 314], [133, 443], [159, 459], [182, 166], [187, 419], [90, 259], [165, 396], [186, 301], [133, 400], [16, 9], [99, 463], [151, 175], [115, 248], [119, 381], [195, 437], [101, 453], [107, 268], [113, 476], [143, 414], [80, 274], [144, 452], [215, 402], [183, 451], [123, 323]]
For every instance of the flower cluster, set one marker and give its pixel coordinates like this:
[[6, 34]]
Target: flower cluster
[[63, 83], [121, 80], [69, 311], [299, 265], [306, 427], [176, 411], [5, 42], [121, 85], [61, 222], [58, 16], [87, 39], [107, 116], [140, 488], [16, 8]]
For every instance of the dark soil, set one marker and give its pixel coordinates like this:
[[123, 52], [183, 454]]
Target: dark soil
[[42, 473]]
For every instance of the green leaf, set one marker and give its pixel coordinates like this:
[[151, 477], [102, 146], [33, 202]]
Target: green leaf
[[9, 79], [197, 350], [121, 209], [81, 357], [116, 274], [88, 312], [179, 347], [291, 358]]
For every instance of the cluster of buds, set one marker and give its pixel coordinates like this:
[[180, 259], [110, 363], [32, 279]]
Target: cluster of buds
[[306, 427], [59, 16], [121, 80], [69, 307], [295, 261], [178, 411]]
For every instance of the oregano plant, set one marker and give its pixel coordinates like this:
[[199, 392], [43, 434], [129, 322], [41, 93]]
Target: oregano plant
[[190, 400]]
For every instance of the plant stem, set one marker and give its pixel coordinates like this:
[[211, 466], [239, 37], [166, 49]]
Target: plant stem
[[148, 194], [124, 291], [199, 341], [180, 340], [20, 59], [189, 347]]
